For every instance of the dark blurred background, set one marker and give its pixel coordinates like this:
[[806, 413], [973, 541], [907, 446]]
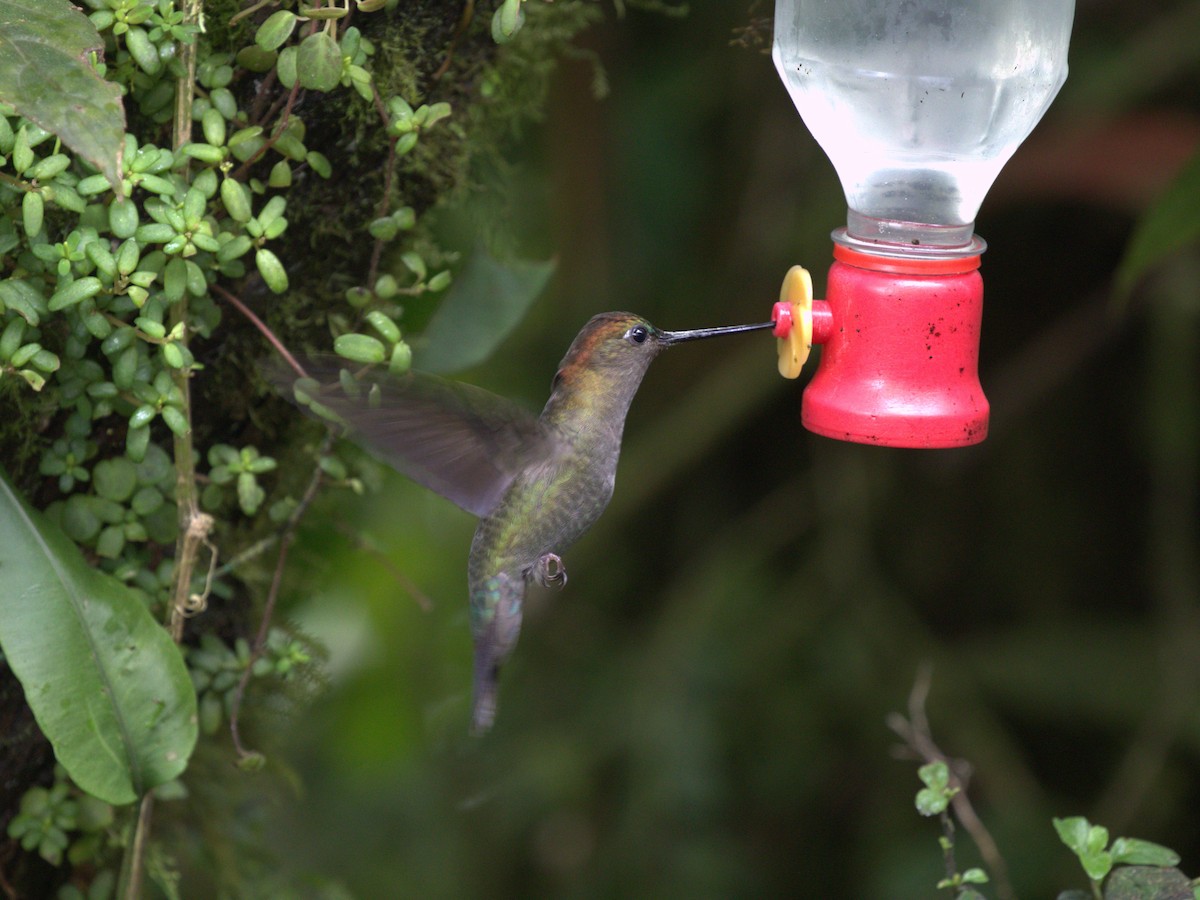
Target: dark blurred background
[[701, 712]]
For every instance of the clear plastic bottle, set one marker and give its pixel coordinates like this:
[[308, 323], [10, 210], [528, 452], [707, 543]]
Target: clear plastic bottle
[[919, 103]]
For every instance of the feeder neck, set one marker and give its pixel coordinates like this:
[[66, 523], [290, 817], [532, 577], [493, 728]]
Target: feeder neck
[[897, 239]]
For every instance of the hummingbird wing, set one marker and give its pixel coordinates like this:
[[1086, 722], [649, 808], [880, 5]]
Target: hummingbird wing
[[458, 440]]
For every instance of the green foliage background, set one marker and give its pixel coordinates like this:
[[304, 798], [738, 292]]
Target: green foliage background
[[701, 712]]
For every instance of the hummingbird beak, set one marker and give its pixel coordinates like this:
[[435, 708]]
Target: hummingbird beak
[[666, 338]]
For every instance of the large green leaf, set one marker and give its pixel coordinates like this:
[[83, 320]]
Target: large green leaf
[[485, 303], [105, 681], [1171, 223], [45, 74]]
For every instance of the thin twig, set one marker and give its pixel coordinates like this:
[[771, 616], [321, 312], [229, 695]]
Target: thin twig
[[948, 845], [262, 327], [9, 891], [389, 172], [241, 171], [255, 550], [250, 10], [260, 97], [287, 534], [917, 735], [460, 30], [366, 545]]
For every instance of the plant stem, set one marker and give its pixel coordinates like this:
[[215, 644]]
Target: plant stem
[[385, 199], [917, 734], [263, 329], [193, 529], [948, 846], [287, 535]]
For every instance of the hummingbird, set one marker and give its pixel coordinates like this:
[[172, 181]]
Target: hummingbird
[[537, 483]]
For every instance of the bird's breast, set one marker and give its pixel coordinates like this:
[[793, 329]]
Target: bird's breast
[[544, 510]]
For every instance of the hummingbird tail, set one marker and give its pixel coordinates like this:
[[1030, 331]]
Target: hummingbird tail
[[483, 713], [501, 597]]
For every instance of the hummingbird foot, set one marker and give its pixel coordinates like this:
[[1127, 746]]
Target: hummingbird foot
[[549, 570]]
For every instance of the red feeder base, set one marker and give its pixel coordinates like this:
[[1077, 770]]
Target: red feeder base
[[900, 364]]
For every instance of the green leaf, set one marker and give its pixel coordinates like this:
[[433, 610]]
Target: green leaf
[[142, 50], [1170, 224], [401, 360], [105, 681], [1136, 852], [123, 221], [256, 59], [935, 775], [286, 65], [32, 209], [271, 270], [975, 876], [319, 62], [115, 479], [274, 32], [507, 21], [360, 348], [236, 200], [930, 802], [1097, 864], [75, 292], [380, 321], [1097, 839], [250, 495], [485, 303], [45, 74], [1073, 831]]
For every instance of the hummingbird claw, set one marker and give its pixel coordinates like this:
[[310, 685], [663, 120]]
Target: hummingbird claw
[[549, 570]]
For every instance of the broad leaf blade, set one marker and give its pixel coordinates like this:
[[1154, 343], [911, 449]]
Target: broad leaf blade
[[106, 683], [45, 74], [485, 302], [1171, 223], [1136, 852]]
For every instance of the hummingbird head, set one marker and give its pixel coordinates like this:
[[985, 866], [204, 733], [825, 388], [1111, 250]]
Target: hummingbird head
[[604, 366], [622, 342], [614, 349], [612, 343]]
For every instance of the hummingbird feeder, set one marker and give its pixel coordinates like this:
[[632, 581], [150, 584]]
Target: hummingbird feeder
[[918, 104]]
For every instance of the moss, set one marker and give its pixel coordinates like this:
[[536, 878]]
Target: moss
[[493, 92], [29, 426]]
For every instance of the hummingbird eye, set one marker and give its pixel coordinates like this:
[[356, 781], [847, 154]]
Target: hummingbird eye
[[637, 334]]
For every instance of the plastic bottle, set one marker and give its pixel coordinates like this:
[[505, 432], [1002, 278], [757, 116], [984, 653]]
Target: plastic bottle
[[919, 103]]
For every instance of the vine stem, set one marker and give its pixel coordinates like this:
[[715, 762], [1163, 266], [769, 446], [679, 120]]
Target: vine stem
[[193, 525], [948, 846], [244, 168], [918, 736], [287, 534], [266, 332], [389, 173]]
